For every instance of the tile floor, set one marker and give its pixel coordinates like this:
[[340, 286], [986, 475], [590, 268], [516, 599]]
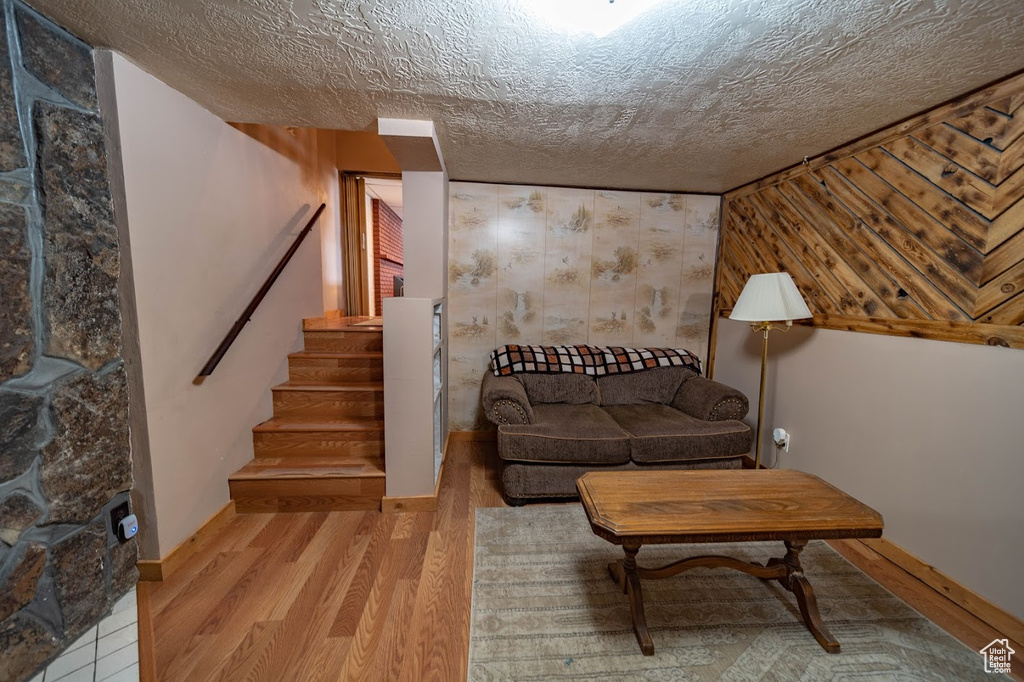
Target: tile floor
[[108, 652]]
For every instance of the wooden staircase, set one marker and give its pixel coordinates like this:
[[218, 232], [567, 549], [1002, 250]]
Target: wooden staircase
[[323, 450]]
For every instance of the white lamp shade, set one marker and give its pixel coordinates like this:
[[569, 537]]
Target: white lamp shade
[[769, 298]]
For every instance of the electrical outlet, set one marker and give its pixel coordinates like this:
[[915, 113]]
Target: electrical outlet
[[781, 437], [117, 514]]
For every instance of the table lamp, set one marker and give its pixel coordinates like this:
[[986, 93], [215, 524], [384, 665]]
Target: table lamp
[[765, 299]]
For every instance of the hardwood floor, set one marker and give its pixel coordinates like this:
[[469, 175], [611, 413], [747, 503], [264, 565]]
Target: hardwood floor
[[330, 595], [368, 596]]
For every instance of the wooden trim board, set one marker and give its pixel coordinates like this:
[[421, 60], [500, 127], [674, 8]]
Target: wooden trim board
[[328, 314], [440, 469], [1006, 336], [147, 643], [985, 610], [1006, 624], [413, 503], [421, 503], [716, 294], [155, 570], [952, 607], [150, 570]]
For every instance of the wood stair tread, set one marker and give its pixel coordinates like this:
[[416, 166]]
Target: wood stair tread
[[337, 354], [285, 424], [326, 386], [342, 324], [349, 329], [280, 468]]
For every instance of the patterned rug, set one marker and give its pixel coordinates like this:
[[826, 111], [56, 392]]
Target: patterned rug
[[545, 608]]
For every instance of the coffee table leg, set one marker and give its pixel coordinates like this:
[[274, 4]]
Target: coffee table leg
[[795, 582], [624, 573]]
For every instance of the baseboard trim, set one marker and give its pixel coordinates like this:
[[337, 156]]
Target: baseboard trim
[[422, 503], [413, 503], [489, 435], [150, 571], [880, 558], [147, 641], [970, 601], [156, 570], [440, 470]]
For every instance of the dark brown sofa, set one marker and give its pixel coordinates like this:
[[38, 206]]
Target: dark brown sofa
[[552, 428]]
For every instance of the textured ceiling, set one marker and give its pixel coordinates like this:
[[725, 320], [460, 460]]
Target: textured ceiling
[[695, 95], [387, 190]]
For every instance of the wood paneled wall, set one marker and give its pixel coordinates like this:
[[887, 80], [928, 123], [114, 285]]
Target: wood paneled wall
[[917, 230]]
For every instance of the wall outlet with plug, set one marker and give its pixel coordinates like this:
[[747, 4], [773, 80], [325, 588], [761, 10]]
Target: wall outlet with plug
[[124, 524], [781, 437]]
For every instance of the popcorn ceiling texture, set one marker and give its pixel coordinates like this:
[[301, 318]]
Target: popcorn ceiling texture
[[695, 95]]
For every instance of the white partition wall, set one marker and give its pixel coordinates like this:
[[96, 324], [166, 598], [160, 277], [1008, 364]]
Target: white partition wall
[[414, 395]]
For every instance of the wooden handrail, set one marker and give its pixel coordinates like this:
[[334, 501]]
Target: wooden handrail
[[236, 328]]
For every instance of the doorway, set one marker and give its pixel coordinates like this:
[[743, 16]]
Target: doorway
[[372, 245]]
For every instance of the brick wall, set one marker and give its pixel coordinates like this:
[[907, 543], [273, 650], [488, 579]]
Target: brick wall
[[387, 251]]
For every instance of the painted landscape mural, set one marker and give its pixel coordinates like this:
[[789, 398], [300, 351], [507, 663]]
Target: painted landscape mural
[[553, 265]]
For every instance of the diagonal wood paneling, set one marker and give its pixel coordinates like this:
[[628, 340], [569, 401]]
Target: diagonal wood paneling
[[917, 230]]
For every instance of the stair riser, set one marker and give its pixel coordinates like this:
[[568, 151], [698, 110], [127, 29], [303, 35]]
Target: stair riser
[[340, 369], [357, 447], [345, 342], [306, 495], [314, 404]]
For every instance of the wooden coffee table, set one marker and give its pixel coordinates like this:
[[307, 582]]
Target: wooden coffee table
[[636, 508]]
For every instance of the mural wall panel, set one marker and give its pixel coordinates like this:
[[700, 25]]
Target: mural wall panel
[[472, 293], [556, 265], [615, 261]]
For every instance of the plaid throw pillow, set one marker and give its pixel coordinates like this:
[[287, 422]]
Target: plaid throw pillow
[[590, 360]]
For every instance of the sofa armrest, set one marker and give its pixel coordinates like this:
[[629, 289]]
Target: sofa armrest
[[504, 401], [709, 400]]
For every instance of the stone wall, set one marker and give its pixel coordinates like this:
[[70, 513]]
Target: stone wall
[[64, 452]]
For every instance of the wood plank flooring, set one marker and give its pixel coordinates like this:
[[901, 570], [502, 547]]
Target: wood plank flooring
[[369, 596], [330, 595]]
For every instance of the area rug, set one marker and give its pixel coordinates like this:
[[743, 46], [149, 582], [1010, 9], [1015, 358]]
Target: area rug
[[545, 608]]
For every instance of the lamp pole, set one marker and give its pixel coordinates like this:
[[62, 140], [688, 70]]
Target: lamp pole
[[763, 327], [768, 297]]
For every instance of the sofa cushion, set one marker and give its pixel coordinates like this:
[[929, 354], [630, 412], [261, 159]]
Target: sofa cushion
[[583, 434], [571, 389], [523, 482], [659, 433], [657, 386]]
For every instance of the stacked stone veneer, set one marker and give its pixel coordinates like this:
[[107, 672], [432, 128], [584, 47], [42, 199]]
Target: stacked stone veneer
[[387, 251], [64, 451]]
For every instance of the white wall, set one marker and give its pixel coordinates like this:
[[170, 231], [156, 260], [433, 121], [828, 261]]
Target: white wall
[[929, 433], [210, 212], [425, 233]]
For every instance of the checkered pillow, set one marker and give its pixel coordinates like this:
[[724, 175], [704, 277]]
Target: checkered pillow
[[590, 360], [619, 360]]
